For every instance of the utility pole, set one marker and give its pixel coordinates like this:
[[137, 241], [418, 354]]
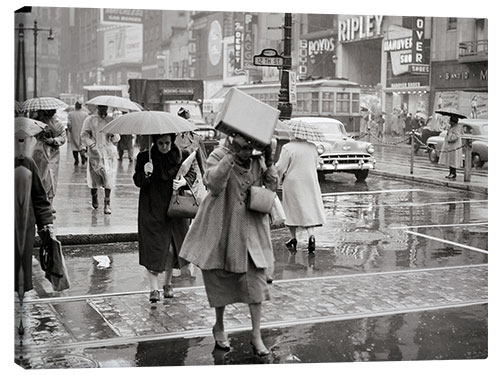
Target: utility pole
[[284, 105]]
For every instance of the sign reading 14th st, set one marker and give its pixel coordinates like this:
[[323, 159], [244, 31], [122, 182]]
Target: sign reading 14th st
[[268, 57]]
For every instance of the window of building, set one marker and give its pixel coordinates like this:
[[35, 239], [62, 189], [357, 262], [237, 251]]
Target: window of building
[[452, 23], [343, 102]]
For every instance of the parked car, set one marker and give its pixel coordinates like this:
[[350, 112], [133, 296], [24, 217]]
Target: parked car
[[422, 134], [475, 127], [340, 152]]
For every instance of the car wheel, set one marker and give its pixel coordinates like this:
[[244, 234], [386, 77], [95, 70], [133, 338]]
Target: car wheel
[[361, 175], [476, 161], [321, 176], [433, 155]]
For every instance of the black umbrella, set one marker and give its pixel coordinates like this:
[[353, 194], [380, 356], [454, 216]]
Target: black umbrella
[[451, 113]]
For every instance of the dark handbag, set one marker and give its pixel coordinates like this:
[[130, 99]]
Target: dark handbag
[[183, 206], [260, 199]]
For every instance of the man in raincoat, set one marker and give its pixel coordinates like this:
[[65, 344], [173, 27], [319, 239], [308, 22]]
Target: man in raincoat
[[102, 156], [75, 123], [46, 153]]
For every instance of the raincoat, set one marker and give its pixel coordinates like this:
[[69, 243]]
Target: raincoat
[[302, 200], [225, 233], [46, 156], [451, 153], [30, 206], [101, 152], [75, 123]]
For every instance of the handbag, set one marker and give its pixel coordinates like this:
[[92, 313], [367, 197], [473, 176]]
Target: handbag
[[260, 199], [277, 212], [183, 206]]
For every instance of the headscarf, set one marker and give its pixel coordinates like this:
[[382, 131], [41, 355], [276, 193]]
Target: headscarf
[[166, 165]]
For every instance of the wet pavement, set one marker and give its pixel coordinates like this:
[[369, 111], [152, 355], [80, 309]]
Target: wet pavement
[[400, 273]]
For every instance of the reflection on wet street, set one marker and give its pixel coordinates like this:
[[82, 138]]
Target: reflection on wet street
[[454, 333]]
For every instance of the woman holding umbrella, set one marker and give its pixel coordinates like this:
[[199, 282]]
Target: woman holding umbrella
[[302, 200], [451, 151], [46, 154], [160, 237], [102, 156]]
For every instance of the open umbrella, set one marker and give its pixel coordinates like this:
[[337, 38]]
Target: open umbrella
[[46, 103], [148, 123], [282, 131], [18, 106], [24, 126], [451, 112], [114, 102], [304, 131]]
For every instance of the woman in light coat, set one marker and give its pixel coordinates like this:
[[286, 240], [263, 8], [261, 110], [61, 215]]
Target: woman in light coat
[[451, 151], [230, 243], [46, 153], [102, 156], [302, 200]]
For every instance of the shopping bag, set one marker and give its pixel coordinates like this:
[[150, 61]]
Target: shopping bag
[[277, 212]]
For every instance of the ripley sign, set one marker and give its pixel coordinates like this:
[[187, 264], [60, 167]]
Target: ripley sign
[[361, 27]]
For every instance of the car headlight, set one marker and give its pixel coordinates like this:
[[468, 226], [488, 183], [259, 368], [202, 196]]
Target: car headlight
[[211, 134], [320, 148], [370, 148]]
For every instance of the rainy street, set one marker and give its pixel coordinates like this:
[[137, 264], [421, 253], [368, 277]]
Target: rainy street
[[381, 285]]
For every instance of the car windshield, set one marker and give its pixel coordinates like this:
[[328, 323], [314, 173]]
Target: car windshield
[[331, 130]]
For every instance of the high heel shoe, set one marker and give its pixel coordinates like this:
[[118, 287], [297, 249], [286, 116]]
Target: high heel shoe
[[260, 353], [154, 296], [292, 244], [312, 244], [221, 340]]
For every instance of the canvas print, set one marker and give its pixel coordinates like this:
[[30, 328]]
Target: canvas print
[[217, 187]]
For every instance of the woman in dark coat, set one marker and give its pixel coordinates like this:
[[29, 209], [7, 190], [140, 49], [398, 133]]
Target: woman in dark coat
[[160, 237]]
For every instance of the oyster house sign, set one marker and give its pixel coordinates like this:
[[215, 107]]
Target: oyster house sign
[[360, 27]]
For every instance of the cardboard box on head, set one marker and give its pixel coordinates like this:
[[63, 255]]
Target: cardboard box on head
[[243, 114]]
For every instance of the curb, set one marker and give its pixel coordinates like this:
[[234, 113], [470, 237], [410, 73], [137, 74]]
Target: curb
[[449, 184], [100, 238]]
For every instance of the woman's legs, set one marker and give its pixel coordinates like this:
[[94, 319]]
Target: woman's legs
[[107, 201], [255, 314], [219, 319], [293, 231], [153, 280], [291, 244], [311, 246]]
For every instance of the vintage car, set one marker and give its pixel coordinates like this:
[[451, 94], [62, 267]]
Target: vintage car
[[209, 136], [340, 152], [477, 129]]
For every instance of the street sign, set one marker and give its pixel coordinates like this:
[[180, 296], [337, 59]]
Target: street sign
[[267, 61], [268, 57], [292, 87]]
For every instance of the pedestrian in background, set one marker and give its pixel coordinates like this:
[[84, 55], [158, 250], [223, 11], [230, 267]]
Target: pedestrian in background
[[302, 200], [102, 156], [230, 243], [46, 153], [75, 123], [125, 143], [451, 151], [160, 237]]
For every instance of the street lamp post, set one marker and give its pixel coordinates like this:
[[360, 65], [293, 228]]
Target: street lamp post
[[284, 105], [35, 30]]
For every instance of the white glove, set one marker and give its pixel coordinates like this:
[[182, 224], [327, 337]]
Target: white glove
[[179, 183], [148, 168]]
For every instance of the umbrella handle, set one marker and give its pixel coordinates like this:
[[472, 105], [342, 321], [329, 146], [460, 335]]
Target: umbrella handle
[[150, 147]]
